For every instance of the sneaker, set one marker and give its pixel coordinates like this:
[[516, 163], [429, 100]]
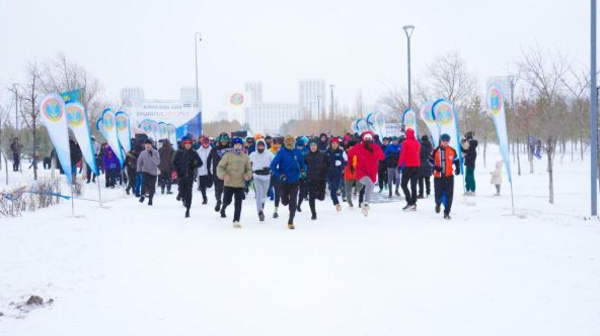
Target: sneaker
[[127, 191], [150, 201], [205, 201], [313, 217], [223, 215], [261, 216], [299, 209], [291, 226], [169, 192], [142, 199], [365, 209], [236, 225], [187, 213], [447, 217], [406, 207], [275, 215], [338, 207], [397, 193], [218, 207], [179, 198], [412, 207], [390, 195], [437, 208], [496, 194]]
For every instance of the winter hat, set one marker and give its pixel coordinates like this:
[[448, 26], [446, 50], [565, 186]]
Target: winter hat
[[223, 137], [289, 141], [312, 141], [187, 142], [445, 137], [425, 138], [395, 138], [367, 136], [335, 139], [237, 141]]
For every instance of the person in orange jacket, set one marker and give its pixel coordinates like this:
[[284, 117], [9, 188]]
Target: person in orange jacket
[[446, 164], [350, 177]]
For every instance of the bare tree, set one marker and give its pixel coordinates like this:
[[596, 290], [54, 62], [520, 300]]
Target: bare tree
[[30, 112], [450, 79], [544, 73]]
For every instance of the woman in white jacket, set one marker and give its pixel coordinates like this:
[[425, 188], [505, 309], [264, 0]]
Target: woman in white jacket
[[204, 176], [497, 177], [261, 161]]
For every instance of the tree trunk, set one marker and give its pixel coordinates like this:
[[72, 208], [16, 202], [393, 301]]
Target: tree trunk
[[550, 154], [484, 150], [529, 153], [572, 151], [581, 147]]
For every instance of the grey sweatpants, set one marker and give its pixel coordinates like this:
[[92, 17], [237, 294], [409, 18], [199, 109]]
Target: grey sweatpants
[[369, 185], [261, 187], [393, 178]]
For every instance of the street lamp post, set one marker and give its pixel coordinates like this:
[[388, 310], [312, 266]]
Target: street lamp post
[[197, 38], [332, 109], [408, 30], [593, 114]]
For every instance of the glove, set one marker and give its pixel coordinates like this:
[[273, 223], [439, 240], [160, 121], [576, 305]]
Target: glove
[[150, 153], [437, 169], [283, 177], [351, 169], [457, 172], [338, 163]]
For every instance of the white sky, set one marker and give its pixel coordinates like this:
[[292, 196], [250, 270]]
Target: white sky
[[352, 44]]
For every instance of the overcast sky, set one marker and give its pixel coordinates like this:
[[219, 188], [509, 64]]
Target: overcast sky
[[356, 45]]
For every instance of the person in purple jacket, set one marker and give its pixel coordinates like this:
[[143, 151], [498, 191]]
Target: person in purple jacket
[[111, 167]]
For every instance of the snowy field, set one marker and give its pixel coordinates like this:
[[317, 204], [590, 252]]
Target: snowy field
[[132, 269]]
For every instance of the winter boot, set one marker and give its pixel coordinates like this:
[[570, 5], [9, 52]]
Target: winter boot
[[149, 201], [223, 215], [218, 206], [437, 208], [447, 217], [205, 201], [313, 217], [142, 199], [187, 213], [261, 216]]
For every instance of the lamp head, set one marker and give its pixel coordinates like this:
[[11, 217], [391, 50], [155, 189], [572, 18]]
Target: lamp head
[[408, 30]]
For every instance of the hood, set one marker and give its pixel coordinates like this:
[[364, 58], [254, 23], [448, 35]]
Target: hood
[[499, 165], [109, 151], [410, 134], [261, 141]]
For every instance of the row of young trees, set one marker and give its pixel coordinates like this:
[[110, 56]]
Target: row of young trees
[[58, 74], [548, 100]]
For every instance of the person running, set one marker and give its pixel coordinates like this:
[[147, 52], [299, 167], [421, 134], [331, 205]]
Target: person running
[[260, 161], [368, 155], [301, 143], [392, 156], [234, 169], [317, 169], [409, 163], [288, 167], [204, 175], [147, 164], [338, 159], [131, 167], [276, 194], [166, 153], [350, 176], [443, 158], [425, 170], [215, 156], [382, 175], [185, 163]]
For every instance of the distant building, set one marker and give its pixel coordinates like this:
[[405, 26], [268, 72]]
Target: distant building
[[188, 94], [267, 118], [132, 95], [312, 99], [254, 91]]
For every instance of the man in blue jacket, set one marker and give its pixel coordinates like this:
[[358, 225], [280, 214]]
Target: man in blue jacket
[[338, 159], [289, 168]]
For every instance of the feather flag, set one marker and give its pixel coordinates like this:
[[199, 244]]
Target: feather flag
[[53, 116], [78, 123]]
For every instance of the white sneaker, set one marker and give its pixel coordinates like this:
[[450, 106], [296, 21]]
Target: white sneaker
[[236, 225], [365, 209], [338, 207]]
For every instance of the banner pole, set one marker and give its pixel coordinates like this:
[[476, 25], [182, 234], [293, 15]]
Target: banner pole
[[99, 193], [512, 198], [72, 201]]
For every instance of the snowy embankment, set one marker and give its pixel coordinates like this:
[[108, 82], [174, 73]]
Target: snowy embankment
[[132, 269]]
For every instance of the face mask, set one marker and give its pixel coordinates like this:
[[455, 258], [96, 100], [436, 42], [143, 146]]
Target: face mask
[[260, 149]]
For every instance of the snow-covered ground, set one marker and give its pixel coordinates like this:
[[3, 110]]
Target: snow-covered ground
[[132, 269]]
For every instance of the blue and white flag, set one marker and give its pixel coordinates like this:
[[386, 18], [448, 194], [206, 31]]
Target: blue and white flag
[[78, 124], [163, 130], [53, 116], [172, 135], [409, 120], [495, 102], [123, 130], [110, 133], [447, 120], [426, 114]]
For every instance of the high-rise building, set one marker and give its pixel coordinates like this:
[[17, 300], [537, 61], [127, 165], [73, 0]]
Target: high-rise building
[[254, 90], [312, 99], [132, 95], [267, 118]]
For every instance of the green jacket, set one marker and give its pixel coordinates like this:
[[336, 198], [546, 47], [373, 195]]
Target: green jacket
[[235, 166]]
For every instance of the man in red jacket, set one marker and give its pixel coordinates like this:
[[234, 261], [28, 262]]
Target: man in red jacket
[[368, 155], [409, 162]]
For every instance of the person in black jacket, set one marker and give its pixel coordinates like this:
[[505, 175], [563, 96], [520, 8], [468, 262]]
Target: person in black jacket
[[338, 159], [382, 175], [75, 157], [469, 149], [215, 156], [426, 169], [186, 162], [317, 164]]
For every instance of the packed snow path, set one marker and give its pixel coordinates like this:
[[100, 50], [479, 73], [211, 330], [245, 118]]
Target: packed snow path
[[139, 270]]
